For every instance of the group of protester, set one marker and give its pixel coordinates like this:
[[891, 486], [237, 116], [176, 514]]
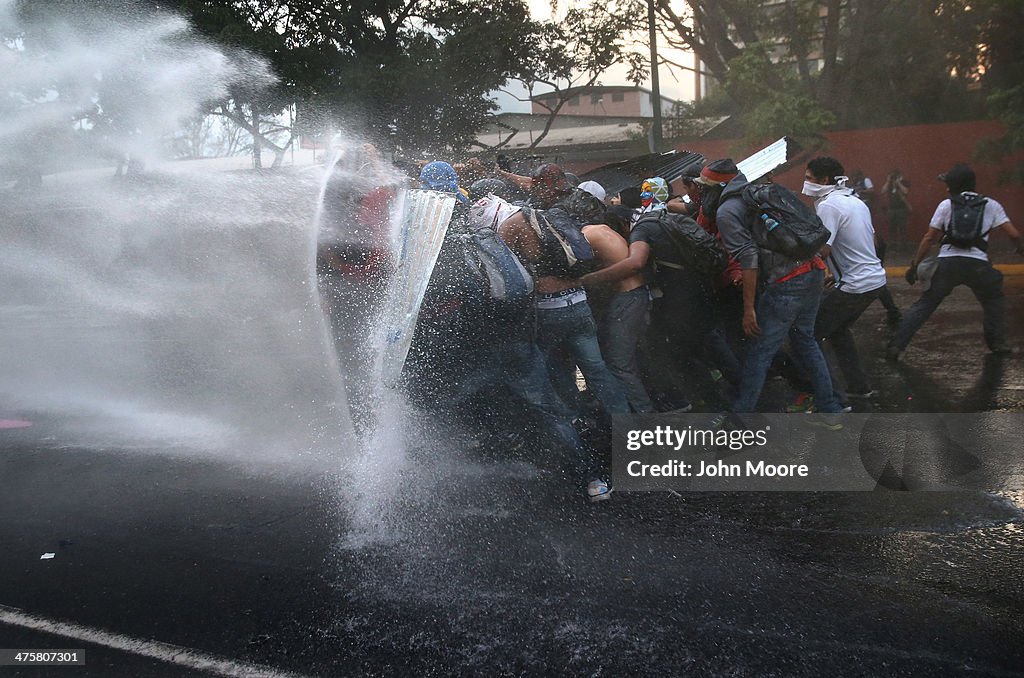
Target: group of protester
[[618, 295]]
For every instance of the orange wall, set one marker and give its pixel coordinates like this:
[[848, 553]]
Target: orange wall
[[921, 151]]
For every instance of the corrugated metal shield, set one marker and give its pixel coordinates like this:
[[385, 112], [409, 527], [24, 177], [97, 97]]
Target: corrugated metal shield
[[766, 160], [424, 223]]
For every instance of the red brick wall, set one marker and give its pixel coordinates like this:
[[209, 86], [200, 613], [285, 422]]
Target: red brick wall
[[921, 152]]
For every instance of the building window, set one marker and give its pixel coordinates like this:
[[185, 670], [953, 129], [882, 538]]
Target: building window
[[618, 96], [575, 101], [595, 99]]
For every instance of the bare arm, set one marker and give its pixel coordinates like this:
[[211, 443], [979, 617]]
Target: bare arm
[[634, 263], [522, 182], [1014, 235], [677, 206], [930, 238]]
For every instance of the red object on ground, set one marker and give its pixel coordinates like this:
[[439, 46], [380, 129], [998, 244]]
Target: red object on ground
[[14, 423]]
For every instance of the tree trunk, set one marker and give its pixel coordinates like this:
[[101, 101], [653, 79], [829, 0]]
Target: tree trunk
[[830, 50], [279, 153], [257, 140]]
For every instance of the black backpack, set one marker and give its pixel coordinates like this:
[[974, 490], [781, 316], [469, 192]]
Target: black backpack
[[966, 221], [784, 224], [698, 249]]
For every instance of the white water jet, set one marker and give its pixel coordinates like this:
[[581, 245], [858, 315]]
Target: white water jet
[[177, 311], [357, 181]]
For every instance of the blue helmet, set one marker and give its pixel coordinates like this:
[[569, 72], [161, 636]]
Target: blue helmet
[[439, 176]]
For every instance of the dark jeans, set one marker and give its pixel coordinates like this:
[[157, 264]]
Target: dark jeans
[[838, 311], [686, 318], [891, 309], [520, 365], [951, 272], [787, 309], [573, 328], [623, 327]]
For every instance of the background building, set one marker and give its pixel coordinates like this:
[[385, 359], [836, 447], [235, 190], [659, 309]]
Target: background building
[[595, 125]]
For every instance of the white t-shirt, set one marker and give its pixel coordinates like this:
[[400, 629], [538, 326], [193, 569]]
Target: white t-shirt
[[853, 261], [994, 216]]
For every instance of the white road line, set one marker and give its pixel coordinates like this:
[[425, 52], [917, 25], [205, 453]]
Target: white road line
[[173, 654]]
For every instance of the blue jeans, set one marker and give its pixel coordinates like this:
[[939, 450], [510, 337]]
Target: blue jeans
[[629, 315], [573, 328], [787, 309]]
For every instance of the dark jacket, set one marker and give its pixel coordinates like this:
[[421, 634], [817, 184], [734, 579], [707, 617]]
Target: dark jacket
[[735, 220]]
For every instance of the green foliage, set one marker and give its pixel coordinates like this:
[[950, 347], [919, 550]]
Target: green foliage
[[773, 102], [867, 62], [415, 75], [1006, 106], [800, 117], [410, 74]]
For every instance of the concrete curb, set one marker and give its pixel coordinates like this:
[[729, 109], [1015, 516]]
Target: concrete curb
[[1006, 269]]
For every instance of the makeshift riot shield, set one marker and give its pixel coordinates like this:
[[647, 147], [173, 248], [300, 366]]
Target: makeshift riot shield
[[767, 159], [424, 222]]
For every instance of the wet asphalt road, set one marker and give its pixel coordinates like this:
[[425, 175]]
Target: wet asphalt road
[[490, 567]]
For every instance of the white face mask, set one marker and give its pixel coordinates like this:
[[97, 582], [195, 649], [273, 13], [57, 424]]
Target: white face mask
[[817, 190], [491, 212]]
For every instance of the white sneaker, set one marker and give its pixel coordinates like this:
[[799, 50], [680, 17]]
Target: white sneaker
[[598, 490], [832, 422]]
